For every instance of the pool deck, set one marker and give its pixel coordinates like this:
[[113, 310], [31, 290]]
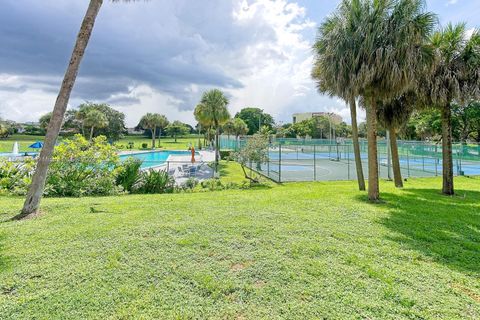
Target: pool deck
[[176, 162]]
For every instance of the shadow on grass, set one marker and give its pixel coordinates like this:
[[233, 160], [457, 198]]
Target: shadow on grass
[[445, 229]]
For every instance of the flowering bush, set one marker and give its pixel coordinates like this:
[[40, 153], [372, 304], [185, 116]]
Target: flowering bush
[[81, 168]]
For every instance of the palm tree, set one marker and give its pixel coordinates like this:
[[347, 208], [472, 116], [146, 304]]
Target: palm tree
[[95, 119], [35, 191], [455, 77], [229, 127], [240, 127], [152, 121], [335, 69], [393, 115], [390, 55], [212, 112]]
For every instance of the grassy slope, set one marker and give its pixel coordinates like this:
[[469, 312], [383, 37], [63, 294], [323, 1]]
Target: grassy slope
[[169, 143], [297, 251]]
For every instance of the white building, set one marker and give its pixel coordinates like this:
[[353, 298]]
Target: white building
[[299, 117]]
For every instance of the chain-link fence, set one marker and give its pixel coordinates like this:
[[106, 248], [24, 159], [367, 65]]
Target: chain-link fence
[[323, 159]]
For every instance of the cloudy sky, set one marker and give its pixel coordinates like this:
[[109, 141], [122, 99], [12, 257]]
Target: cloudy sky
[[160, 55]]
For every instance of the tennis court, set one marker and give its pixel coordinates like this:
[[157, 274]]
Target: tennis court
[[323, 160]]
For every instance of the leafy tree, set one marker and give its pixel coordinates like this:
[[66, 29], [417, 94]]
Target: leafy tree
[[32, 201], [94, 118], [72, 121], [152, 121], [454, 77], [6, 128], [116, 121], [176, 128], [254, 151], [212, 113], [465, 120], [255, 118], [45, 120]]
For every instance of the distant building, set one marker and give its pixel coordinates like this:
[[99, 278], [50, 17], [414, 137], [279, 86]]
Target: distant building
[[134, 131], [299, 117]]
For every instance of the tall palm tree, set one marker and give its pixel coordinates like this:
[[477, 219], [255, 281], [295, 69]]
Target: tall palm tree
[[391, 53], [393, 115], [152, 121], [35, 191], [336, 60], [212, 112], [455, 77]]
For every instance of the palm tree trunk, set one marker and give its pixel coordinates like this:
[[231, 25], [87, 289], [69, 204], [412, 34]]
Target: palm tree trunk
[[397, 173], [356, 145], [159, 137], [447, 151], [154, 134], [35, 191], [373, 188], [91, 133]]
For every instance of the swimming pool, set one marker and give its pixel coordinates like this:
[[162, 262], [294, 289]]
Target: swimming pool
[[155, 158]]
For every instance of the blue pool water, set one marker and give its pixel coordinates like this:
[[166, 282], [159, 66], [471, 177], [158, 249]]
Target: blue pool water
[[154, 158]]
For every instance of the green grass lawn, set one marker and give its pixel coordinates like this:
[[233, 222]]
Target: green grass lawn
[[293, 251], [168, 143], [6, 145]]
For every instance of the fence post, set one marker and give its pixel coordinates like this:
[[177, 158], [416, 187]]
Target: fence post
[[279, 163], [408, 161], [348, 161], [436, 162], [268, 166], [314, 163]]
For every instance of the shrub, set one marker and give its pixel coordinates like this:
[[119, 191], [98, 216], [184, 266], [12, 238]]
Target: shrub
[[128, 173], [190, 184], [144, 145], [216, 184], [81, 168], [152, 181], [226, 154], [131, 145], [15, 177]]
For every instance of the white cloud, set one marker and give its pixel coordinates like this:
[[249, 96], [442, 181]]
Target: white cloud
[[260, 44]]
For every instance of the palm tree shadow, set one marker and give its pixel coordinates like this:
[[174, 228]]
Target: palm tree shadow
[[444, 229]]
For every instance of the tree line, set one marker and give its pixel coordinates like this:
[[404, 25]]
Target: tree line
[[391, 58], [385, 55]]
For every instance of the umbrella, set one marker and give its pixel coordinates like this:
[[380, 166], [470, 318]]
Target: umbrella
[[37, 145], [193, 154]]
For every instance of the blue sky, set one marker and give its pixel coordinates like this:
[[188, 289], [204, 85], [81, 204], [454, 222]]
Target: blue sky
[[159, 56]]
